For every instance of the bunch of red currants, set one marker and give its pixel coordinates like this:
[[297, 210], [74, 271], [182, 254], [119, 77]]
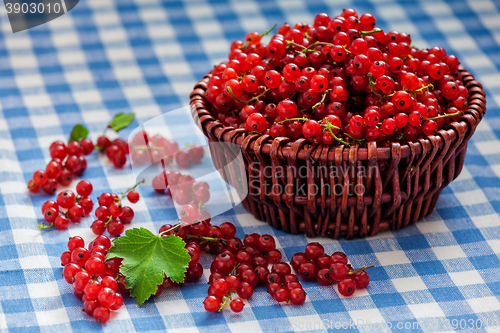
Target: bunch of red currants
[[315, 265], [340, 80], [111, 214], [68, 207], [92, 276], [67, 160], [145, 148], [182, 188]]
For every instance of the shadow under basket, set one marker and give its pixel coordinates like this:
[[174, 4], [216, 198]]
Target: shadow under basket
[[337, 191]]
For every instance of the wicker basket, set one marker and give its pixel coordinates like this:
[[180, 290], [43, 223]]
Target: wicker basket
[[401, 193]]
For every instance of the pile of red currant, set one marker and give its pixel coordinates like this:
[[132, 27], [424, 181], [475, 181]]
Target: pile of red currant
[[340, 80], [92, 276], [111, 214], [68, 207], [314, 264], [67, 160], [116, 151], [182, 188], [145, 148], [242, 265]]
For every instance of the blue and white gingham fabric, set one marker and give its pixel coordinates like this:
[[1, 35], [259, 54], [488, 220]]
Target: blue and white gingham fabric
[[106, 57]]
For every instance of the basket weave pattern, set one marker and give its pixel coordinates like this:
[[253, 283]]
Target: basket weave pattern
[[291, 182]]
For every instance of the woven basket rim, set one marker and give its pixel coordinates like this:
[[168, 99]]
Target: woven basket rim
[[471, 118]]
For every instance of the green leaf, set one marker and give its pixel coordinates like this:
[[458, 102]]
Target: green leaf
[[78, 132], [147, 258], [121, 121]]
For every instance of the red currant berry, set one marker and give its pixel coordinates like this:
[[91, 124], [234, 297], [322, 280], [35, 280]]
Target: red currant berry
[[237, 305], [94, 266], [339, 270], [297, 296], [115, 228], [266, 243], [133, 196], [245, 290], [40, 178], [76, 213], [84, 188], [127, 215], [347, 287], [362, 279], [101, 314], [66, 199], [69, 272], [314, 250], [212, 303]]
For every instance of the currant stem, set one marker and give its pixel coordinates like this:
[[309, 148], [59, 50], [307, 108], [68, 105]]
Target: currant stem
[[255, 98], [295, 44], [174, 227], [269, 30], [322, 99], [359, 270], [42, 225], [225, 301], [204, 238], [110, 218], [370, 80], [293, 119], [459, 113], [428, 87], [364, 32], [329, 127], [124, 194], [234, 269]]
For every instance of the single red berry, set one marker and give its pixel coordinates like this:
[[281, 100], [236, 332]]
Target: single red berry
[[266, 243], [66, 199], [33, 187], [362, 279], [237, 305], [101, 314], [133, 196], [84, 188], [115, 228], [347, 287], [69, 272], [339, 271], [76, 213], [324, 276], [50, 215], [339, 257], [40, 178], [314, 250], [127, 215], [212, 303], [61, 222], [297, 296]]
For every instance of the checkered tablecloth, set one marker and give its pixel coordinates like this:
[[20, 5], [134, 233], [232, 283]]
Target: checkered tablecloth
[[144, 56]]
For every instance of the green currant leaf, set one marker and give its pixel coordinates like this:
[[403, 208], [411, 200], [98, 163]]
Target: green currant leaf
[[121, 120], [78, 132], [147, 258]]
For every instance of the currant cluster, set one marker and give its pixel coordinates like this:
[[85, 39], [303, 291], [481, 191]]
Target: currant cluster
[[182, 188], [116, 151], [314, 264], [92, 276], [67, 160], [111, 214], [340, 80], [146, 148], [68, 207], [244, 264]]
